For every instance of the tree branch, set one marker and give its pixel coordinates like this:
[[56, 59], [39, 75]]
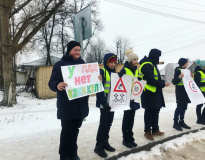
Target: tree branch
[[16, 10], [37, 28]]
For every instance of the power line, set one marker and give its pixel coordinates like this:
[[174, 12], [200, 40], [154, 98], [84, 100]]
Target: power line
[[172, 38], [191, 3], [153, 11], [169, 6], [171, 31], [184, 47]]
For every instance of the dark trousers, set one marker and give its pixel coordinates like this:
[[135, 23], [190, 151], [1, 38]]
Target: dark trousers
[[180, 112], [127, 125], [68, 138], [106, 119], [198, 111], [151, 118]]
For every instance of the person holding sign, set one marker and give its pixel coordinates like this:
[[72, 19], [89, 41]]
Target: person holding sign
[[152, 97], [199, 78], [130, 68], [102, 102], [182, 98], [70, 112]]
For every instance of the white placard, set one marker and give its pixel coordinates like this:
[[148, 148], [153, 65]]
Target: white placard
[[195, 95], [137, 89], [82, 80], [120, 92]]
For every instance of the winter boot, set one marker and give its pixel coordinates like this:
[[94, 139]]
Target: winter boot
[[108, 147], [148, 135], [127, 144], [200, 121], [134, 144], [158, 133], [183, 125], [76, 158], [99, 149], [177, 127]]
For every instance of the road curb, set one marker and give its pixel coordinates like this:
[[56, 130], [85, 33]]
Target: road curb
[[148, 146]]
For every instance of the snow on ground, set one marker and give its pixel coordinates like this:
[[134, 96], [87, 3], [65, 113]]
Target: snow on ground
[[30, 131]]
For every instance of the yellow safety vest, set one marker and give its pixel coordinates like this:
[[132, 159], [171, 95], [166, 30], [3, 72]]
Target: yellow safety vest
[[129, 72], [107, 81], [202, 80], [141, 75], [181, 82]]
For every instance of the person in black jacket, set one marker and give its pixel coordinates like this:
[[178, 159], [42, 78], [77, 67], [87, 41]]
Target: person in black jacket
[[152, 97], [130, 68], [199, 78], [182, 98], [102, 102], [71, 113]]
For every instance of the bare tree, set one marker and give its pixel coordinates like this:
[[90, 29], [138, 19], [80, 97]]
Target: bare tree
[[96, 52], [122, 43], [29, 22]]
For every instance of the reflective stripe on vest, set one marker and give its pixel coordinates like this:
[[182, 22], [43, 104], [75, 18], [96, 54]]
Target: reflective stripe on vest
[[202, 80], [181, 82], [141, 75], [107, 81]]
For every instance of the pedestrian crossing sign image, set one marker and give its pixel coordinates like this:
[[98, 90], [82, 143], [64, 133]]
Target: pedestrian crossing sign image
[[120, 87], [120, 93]]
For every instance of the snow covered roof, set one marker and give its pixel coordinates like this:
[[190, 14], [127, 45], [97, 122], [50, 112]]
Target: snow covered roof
[[42, 61]]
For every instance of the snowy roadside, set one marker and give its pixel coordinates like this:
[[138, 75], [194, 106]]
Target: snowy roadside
[[30, 130]]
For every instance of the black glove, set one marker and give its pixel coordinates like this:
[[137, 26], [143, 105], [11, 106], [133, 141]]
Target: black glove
[[106, 107], [120, 74]]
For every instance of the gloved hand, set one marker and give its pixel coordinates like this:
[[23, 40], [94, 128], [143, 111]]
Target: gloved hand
[[120, 74], [106, 107]]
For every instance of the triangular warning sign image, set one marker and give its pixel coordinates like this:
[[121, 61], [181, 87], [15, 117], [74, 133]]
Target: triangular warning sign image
[[120, 87]]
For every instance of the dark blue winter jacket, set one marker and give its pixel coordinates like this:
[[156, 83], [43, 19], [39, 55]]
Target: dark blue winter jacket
[[66, 109], [133, 105], [101, 96], [152, 100], [180, 92]]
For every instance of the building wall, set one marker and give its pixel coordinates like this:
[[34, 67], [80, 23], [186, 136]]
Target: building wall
[[21, 78], [43, 74]]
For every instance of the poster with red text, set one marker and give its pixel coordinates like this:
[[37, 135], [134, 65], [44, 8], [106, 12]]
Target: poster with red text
[[82, 80]]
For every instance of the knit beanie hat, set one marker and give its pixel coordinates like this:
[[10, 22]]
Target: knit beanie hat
[[130, 55], [71, 45], [182, 61], [200, 63]]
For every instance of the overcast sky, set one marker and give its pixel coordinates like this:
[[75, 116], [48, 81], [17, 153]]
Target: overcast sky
[[176, 27]]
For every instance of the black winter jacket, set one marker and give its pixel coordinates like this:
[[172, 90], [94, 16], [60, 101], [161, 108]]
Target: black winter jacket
[[133, 105], [181, 95], [149, 99], [66, 109], [197, 77]]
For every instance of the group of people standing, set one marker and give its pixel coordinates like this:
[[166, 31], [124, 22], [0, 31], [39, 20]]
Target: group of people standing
[[72, 113]]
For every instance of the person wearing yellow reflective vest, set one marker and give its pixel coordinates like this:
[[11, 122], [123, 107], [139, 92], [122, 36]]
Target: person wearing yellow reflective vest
[[102, 102], [152, 97], [182, 98], [130, 68], [199, 78]]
